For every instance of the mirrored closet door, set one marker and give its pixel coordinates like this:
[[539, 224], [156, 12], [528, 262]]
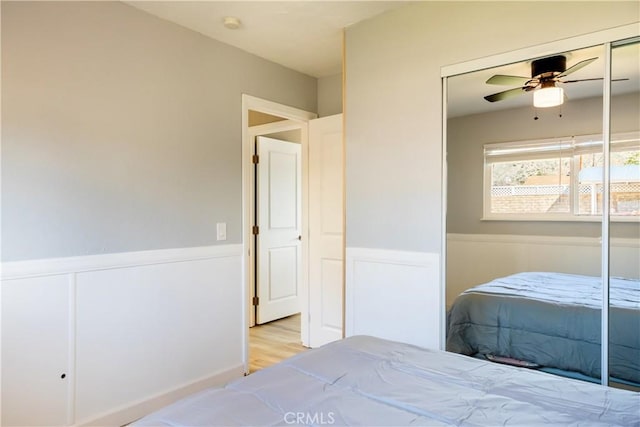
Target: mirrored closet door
[[624, 203], [526, 157]]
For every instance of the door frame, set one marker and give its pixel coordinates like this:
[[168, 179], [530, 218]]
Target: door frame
[[300, 118]]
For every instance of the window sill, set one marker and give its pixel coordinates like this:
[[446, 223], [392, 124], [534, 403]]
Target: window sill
[[559, 218]]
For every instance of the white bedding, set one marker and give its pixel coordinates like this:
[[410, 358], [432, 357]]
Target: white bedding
[[372, 382]]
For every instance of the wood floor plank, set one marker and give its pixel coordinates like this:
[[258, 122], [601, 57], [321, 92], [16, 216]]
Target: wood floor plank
[[274, 341]]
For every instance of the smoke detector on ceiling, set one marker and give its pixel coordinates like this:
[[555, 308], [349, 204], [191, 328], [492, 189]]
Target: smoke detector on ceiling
[[231, 22]]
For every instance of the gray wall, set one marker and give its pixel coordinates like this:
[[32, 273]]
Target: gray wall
[[330, 95], [467, 135], [122, 131], [393, 102]]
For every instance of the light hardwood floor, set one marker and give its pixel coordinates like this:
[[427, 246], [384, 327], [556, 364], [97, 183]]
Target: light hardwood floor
[[274, 341]]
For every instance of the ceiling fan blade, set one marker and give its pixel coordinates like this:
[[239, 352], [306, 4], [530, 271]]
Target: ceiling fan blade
[[589, 80], [501, 79], [577, 66], [505, 94]]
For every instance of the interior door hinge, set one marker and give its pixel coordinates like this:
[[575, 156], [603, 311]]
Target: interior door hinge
[[256, 300], [255, 159], [256, 230]]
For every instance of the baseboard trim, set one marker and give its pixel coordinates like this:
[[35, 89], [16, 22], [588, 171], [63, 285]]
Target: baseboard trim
[[66, 265], [130, 413]]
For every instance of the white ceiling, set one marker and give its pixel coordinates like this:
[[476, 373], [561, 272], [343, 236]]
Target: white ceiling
[[302, 35], [307, 36]]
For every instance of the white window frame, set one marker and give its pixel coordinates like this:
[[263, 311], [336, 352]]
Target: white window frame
[[568, 147]]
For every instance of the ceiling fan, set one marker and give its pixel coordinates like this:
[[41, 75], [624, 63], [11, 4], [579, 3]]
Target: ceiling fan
[[545, 74]]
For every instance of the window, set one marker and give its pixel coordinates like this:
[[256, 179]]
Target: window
[[561, 179]]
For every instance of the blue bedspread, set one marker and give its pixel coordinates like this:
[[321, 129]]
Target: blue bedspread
[[366, 381], [552, 319]]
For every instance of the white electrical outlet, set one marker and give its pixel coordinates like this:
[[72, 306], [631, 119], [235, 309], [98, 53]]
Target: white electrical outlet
[[221, 231]]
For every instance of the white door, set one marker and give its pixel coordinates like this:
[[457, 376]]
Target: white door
[[278, 217], [326, 240]]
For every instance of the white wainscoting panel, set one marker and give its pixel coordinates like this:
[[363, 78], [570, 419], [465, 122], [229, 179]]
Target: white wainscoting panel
[[130, 331], [394, 295], [473, 259], [35, 351]]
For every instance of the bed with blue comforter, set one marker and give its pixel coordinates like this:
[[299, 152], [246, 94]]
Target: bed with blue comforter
[[550, 319], [367, 381]]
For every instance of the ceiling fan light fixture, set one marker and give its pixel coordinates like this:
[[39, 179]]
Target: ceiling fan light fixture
[[546, 97]]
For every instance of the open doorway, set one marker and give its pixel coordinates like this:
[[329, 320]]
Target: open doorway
[[273, 254]]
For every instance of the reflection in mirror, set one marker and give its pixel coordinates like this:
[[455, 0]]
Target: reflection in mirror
[[524, 278], [624, 283]]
